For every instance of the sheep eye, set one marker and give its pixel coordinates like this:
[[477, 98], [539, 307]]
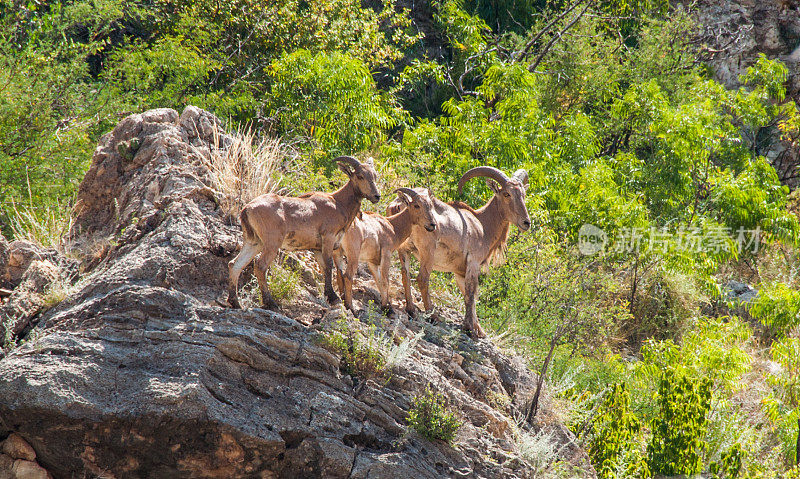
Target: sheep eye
[[416, 206], [360, 177], [508, 195]]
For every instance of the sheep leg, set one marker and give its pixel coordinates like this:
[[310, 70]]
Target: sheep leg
[[260, 269], [338, 261], [383, 284], [327, 270], [405, 265], [235, 267], [460, 283], [378, 276], [423, 281], [349, 274], [471, 324]]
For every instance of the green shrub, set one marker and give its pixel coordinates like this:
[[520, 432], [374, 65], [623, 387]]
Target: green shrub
[[729, 466], [679, 428], [431, 418], [361, 354], [613, 446], [777, 307], [332, 99], [284, 282], [782, 405]]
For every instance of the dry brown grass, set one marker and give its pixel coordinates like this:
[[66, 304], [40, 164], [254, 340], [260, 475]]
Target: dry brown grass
[[46, 225], [246, 168]]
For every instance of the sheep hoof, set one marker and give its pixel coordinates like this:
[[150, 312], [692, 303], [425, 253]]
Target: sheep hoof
[[272, 306], [475, 333], [332, 298], [233, 301]]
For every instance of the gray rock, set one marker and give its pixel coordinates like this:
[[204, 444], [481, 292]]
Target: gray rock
[[740, 292]]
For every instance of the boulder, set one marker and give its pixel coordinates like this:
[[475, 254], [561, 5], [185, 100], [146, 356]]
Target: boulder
[[17, 448], [20, 254], [28, 298]]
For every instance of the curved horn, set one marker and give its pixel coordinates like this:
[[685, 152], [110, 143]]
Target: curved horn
[[521, 175], [408, 191], [348, 160], [489, 171]]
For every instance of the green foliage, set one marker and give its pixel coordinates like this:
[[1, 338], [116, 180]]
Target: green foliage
[[431, 418], [48, 112], [546, 292], [332, 99], [678, 430], [283, 282], [729, 466], [712, 349], [782, 406], [361, 354], [613, 446], [777, 306]]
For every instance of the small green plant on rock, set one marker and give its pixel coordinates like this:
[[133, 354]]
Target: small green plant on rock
[[431, 418], [284, 282], [361, 354]]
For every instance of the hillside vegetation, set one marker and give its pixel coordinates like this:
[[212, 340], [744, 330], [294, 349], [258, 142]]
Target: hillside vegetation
[[654, 205]]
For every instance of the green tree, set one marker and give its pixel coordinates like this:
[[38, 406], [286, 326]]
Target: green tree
[[613, 446], [678, 430], [331, 99], [782, 406]]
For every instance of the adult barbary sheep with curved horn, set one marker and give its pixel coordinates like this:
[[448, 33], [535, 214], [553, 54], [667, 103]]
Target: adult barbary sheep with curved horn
[[372, 239], [466, 239], [314, 221]]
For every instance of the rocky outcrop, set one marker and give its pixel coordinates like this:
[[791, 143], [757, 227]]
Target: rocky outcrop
[[735, 33], [142, 372]]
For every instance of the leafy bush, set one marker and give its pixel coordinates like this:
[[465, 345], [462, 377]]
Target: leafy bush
[[283, 281], [361, 354], [332, 99], [613, 446], [729, 466], [431, 418], [678, 430], [782, 406], [777, 306]]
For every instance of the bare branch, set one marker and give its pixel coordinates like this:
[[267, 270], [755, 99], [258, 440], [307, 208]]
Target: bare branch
[[519, 56], [556, 37]]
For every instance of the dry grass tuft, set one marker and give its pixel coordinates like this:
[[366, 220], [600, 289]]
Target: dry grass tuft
[[246, 167], [46, 225]]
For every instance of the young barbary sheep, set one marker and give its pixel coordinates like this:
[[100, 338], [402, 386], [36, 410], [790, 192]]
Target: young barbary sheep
[[465, 240], [314, 221], [372, 239]]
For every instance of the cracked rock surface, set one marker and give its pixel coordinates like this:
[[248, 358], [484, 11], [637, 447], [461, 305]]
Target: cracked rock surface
[[142, 372]]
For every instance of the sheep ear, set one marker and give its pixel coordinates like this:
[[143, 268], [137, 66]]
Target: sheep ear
[[493, 185], [343, 166]]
